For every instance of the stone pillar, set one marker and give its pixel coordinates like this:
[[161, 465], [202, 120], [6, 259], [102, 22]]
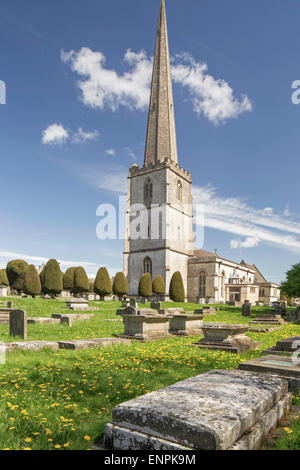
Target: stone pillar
[[18, 324]]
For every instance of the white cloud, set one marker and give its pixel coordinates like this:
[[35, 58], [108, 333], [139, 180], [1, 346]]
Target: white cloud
[[103, 87], [111, 152], [249, 242], [234, 216], [55, 134], [211, 97], [80, 136]]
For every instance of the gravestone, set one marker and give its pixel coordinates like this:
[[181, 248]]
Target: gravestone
[[286, 346], [284, 367], [186, 325], [77, 304], [225, 337], [145, 327], [91, 343], [292, 317], [18, 323], [170, 311], [10, 304], [269, 319], [133, 303], [155, 305], [127, 311], [217, 410], [3, 291], [246, 309]]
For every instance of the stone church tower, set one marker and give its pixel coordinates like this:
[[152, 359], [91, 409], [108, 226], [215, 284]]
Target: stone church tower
[[159, 219]]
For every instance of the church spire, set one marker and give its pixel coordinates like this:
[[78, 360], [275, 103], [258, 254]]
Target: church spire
[[161, 132]]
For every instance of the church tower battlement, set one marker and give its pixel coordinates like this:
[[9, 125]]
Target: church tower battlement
[[161, 189]]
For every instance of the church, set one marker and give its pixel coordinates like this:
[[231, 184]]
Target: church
[[159, 236]]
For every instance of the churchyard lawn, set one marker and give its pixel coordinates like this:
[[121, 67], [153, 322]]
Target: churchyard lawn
[[63, 399]]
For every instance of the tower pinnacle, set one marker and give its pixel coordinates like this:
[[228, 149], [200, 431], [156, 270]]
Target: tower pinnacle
[[161, 132]]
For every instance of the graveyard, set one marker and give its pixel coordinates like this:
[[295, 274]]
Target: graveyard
[[63, 398]]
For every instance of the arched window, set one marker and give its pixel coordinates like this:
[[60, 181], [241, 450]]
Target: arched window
[[202, 284], [148, 190], [179, 191], [147, 266]]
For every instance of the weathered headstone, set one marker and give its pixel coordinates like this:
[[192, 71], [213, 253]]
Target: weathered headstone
[[286, 346], [269, 319], [3, 291], [18, 323], [127, 311], [284, 367], [10, 304], [145, 327], [155, 305], [133, 303], [226, 337], [186, 325], [217, 410], [246, 309]]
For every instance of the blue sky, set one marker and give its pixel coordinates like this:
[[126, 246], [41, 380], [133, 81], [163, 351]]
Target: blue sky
[[65, 148]]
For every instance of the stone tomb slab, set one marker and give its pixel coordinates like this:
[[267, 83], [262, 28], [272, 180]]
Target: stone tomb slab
[[263, 329], [42, 320], [31, 345], [287, 346], [226, 337], [186, 325], [268, 319], [73, 316], [145, 327], [283, 367], [91, 343], [218, 410], [79, 304]]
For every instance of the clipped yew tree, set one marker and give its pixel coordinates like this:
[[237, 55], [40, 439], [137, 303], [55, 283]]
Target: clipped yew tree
[[158, 286], [177, 293], [52, 279], [81, 281], [32, 283], [145, 285], [15, 271], [3, 278], [68, 279], [120, 286], [102, 284]]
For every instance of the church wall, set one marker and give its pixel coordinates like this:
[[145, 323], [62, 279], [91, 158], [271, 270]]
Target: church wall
[[135, 268]]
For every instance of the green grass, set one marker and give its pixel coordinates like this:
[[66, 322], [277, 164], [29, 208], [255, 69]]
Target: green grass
[[64, 398]]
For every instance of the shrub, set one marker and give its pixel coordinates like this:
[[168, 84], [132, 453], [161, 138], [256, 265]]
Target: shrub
[[158, 286], [32, 283], [81, 281], [15, 271], [120, 286], [103, 285], [145, 285], [68, 279], [3, 278], [177, 293], [52, 281]]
